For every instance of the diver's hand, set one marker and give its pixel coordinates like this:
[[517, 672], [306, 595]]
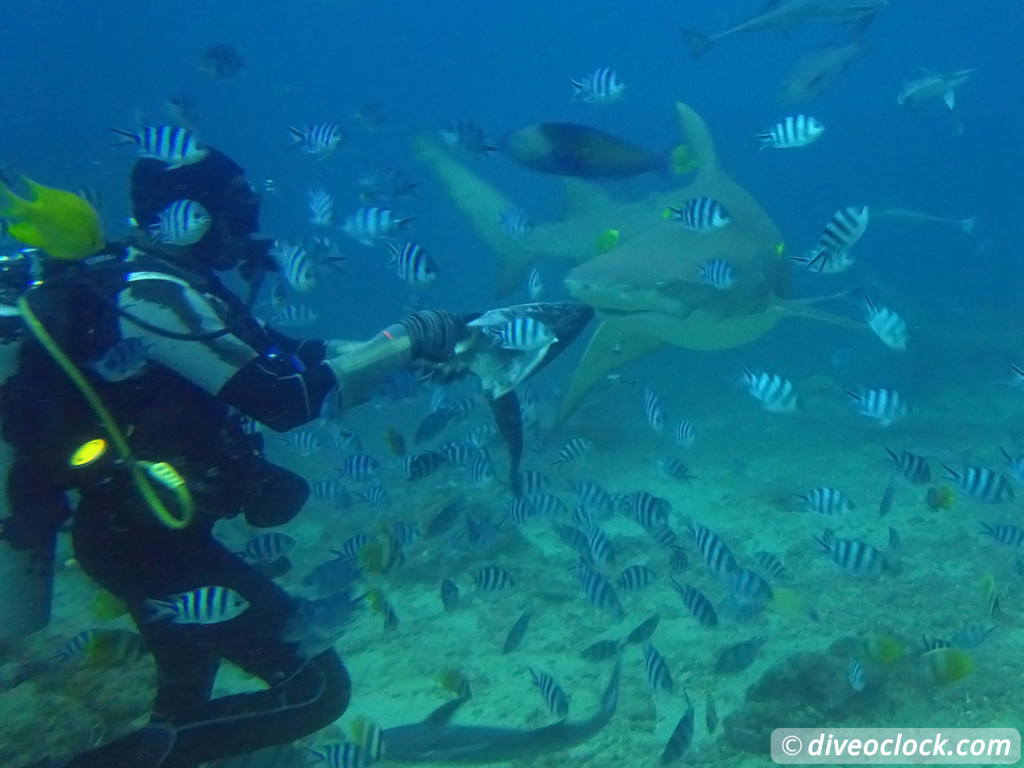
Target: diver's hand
[[433, 334]]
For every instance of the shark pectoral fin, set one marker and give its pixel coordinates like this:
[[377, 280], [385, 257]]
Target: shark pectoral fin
[[801, 310], [618, 340], [950, 98], [482, 205], [439, 717]]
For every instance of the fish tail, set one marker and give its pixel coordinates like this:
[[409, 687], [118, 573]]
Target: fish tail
[[765, 139], [158, 610], [967, 225], [127, 137], [696, 42]]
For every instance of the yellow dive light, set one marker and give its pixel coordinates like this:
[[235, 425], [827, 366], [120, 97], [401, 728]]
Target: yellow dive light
[[88, 452]]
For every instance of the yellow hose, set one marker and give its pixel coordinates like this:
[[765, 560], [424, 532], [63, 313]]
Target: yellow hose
[[141, 471]]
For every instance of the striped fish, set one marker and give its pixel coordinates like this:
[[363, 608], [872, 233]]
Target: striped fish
[[697, 604], [523, 334], [268, 547], [412, 263], [548, 505], [170, 144], [643, 631], [682, 736], [635, 577], [913, 467], [658, 676], [602, 86], [675, 469], [685, 434], [572, 451], [519, 510], [678, 561], [203, 605], [375, 495], [770, 564], [886, 325], [650, 511], [718, 273], [841, 233], [1004, 533], [652, 410], [895, 543], [492, 578], [883, 404], [852, 555], [700, 214], [531, 481], [343, 754], [713, 551], [776, 394], [359, 466], [320, 139], [982, 483], [749, 588], [370, 225], [599, 591], [321, 207], [826, 501], [554, 697], [304, 441], [295, 264], [515, 221], [293, 316], [593, 497], [856, 676], [599, 547], [183, 222], [791, 132]]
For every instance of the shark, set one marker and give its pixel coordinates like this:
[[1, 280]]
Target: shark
[[933, 86], [784, 15], [646, 290], [436, 740]]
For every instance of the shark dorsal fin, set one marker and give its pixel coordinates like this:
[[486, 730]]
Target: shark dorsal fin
[[439, 717]]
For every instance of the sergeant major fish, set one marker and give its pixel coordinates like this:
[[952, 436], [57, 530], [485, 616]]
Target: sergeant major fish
[[320, 139], [369, 225], [790, 132], [204, 605], [183, 222], [602, 86], [170, 144]]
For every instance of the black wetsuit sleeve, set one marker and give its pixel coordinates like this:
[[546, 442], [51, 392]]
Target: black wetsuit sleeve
[[282, 391]]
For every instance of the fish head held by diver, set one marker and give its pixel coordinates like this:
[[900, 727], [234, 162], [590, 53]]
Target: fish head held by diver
[[568, 149]]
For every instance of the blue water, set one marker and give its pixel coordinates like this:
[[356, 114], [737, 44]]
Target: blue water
[[71, 70]]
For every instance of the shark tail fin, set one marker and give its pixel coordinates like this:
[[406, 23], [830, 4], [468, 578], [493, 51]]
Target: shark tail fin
[[696, 42]]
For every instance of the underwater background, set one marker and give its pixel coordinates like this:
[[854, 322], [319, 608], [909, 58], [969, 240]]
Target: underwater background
[[74, 69]]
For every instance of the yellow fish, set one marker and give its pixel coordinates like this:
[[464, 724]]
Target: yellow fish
[[60, 222], [607, 240], [943, 666], [883, 648]]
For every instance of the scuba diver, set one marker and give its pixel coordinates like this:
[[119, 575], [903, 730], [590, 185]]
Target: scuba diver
[[157, 456]]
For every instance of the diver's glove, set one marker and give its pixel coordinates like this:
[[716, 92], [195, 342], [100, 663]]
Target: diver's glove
[[433, 334]]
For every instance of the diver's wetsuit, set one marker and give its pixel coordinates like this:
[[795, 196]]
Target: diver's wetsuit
[[176, 410], [124, 549]]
